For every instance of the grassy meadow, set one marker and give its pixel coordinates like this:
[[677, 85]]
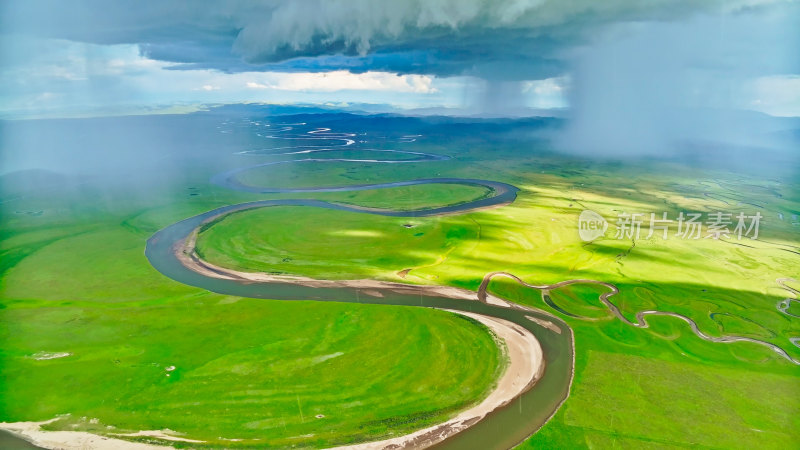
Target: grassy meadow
[[74, 279], [149, 353], [727, 286]]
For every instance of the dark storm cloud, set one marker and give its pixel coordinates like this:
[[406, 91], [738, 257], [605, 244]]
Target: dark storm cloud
[[642, 76], [518, 39]]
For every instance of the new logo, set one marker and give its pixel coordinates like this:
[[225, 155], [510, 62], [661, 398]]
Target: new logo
[[591, 225]]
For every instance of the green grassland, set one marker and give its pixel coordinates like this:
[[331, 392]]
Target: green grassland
[[411, 197], [80, 264], [794, 308], [404, 198], [726, 286], [315, 174], [360, 245], [628, 401], [246, 369], [75, 279]]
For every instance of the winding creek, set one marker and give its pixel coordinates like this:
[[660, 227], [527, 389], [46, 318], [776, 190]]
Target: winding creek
[[784, 305], [641, 316]]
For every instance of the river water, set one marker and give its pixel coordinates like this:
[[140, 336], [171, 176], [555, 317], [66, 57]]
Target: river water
[[502, 428]]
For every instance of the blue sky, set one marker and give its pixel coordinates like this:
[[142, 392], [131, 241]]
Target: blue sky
[[497, 57]]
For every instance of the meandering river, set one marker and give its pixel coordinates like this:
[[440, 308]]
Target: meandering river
[[504, 427], [501, 429]]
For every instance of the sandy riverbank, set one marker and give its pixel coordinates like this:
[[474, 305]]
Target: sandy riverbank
[[526, 361], [526, 365], [77, 440], [188, 256]]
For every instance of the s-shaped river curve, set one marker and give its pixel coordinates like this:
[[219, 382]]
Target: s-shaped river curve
[[502, 428]]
